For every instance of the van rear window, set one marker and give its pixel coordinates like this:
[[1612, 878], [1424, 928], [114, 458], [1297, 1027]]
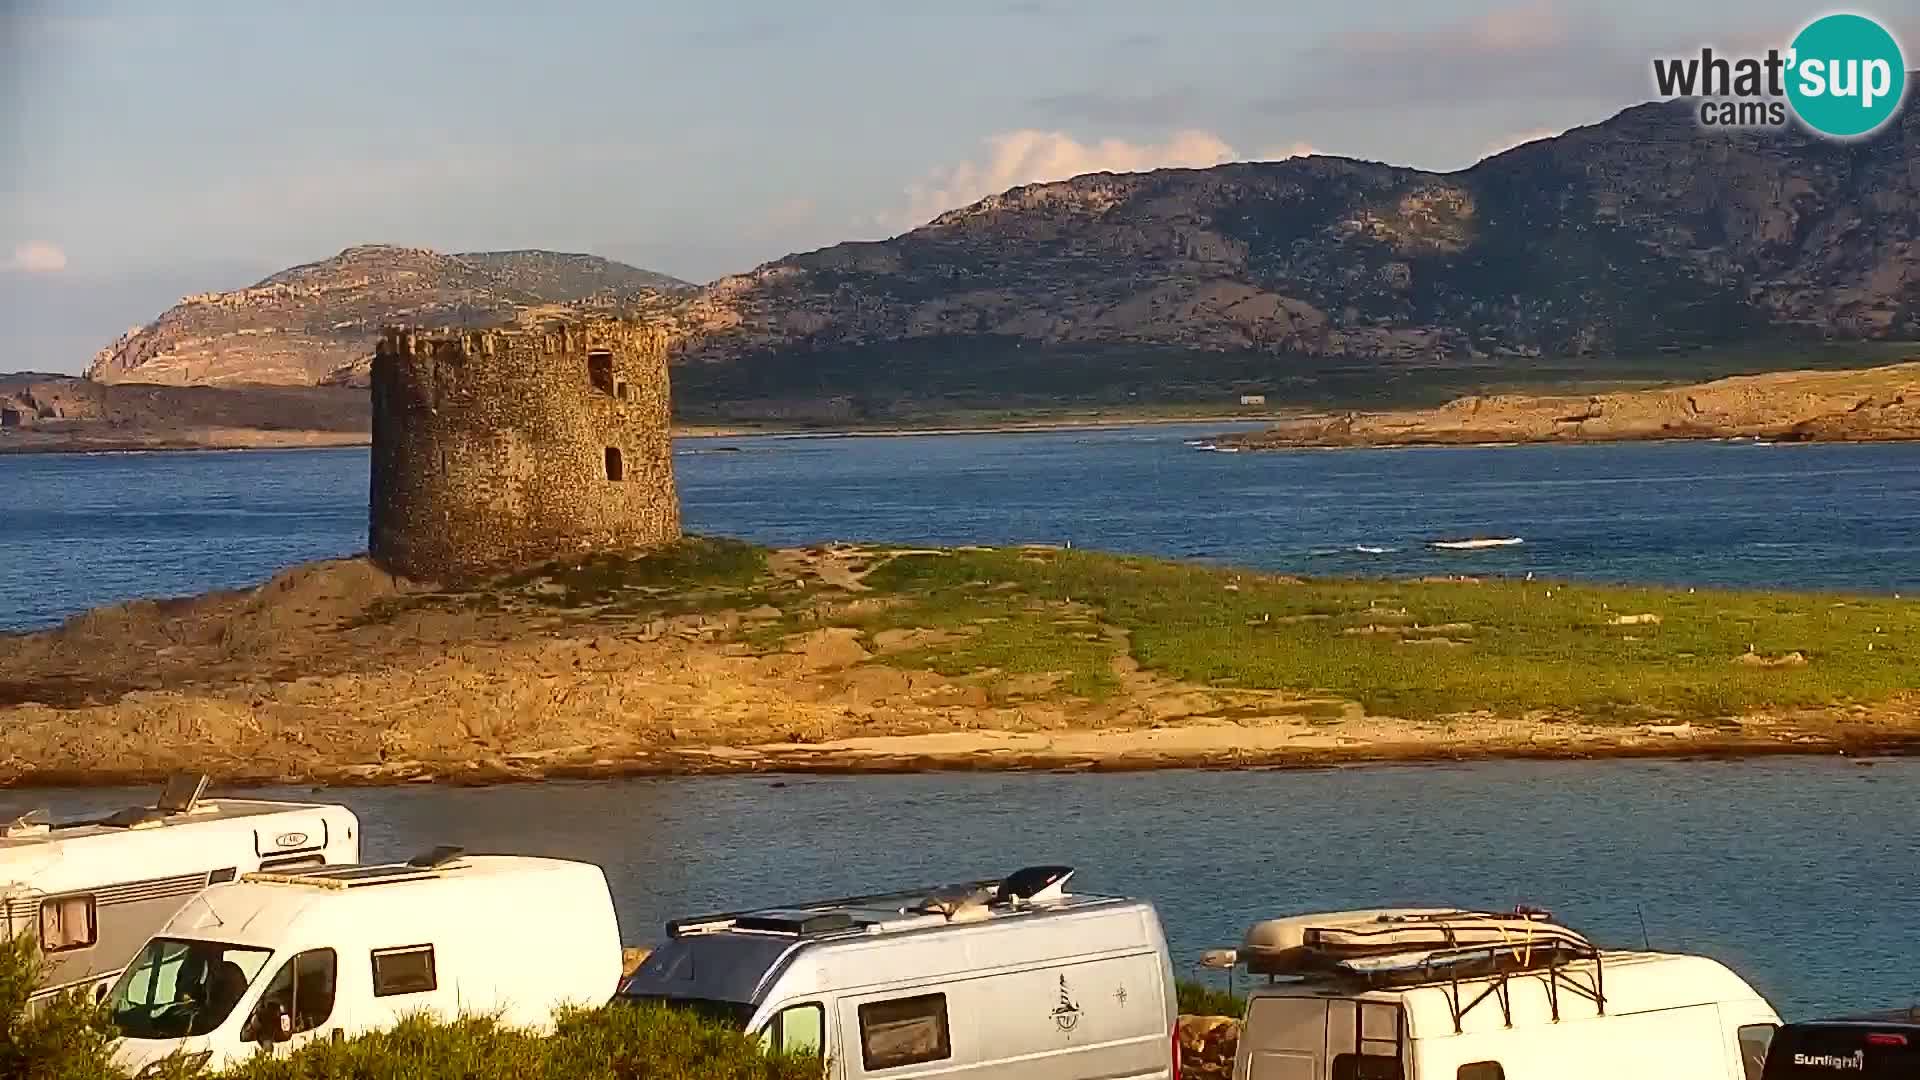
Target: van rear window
[[1847, 1052]]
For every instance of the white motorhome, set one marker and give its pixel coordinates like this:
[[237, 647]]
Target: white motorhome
[[92, 892], [275, 960], [1445, 994], [1015, 978]]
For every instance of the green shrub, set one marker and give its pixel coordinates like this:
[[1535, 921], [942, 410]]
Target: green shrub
[[1199, 999], [68, 1038], [72, 1039], [620, 1042]]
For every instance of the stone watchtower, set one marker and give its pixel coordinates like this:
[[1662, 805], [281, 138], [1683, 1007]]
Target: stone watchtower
[[500, 448]]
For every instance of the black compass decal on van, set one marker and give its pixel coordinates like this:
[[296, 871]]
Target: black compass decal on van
[[1066, 1014]]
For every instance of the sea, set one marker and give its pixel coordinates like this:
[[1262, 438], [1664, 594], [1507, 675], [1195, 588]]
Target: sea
[[1797, 872], [80, 530]]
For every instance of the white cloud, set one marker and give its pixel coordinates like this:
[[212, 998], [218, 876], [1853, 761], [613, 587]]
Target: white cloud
[[1034, 157], [37, 258]]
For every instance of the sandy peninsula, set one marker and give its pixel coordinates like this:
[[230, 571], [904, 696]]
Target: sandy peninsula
[[1864, 405], [717, 657]]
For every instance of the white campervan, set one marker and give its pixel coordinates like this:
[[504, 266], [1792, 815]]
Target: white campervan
[[1007, 979], [273, 961], [1445, 994], [92, 892]]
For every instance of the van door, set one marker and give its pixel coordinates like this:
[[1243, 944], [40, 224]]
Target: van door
[[301, 995], [798, 1028], [1284, 1039], [1288, 1038]]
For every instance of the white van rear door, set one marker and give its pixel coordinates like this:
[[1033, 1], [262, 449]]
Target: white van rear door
[[1285, 1039]]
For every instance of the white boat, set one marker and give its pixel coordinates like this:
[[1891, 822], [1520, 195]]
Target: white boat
[[1357, 940], [1477, 542]]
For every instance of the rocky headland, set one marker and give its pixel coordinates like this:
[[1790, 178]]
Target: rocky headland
[[1875, 404], [718, 657]]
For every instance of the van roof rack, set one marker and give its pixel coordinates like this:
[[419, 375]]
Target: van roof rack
[[966, 901], [1408, 947], [358, 875]]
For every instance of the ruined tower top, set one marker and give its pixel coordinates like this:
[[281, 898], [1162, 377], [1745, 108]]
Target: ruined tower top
[[500, 448]]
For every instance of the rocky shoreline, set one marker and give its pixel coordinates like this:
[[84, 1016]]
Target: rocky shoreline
[[1863, 748], [1880, 404]]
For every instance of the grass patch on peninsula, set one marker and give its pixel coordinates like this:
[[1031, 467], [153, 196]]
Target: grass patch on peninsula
[[1414, 649], [1429, 648]]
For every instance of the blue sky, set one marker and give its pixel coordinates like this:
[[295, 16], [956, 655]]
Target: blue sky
[[144, 156]]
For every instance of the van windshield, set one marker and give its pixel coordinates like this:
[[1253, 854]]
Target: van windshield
[[1862, 1051], [178, 987]]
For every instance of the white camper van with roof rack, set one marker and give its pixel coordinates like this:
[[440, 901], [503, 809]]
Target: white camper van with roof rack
[[275, 960], [92, 892], [1013, 978], [1446, 994]]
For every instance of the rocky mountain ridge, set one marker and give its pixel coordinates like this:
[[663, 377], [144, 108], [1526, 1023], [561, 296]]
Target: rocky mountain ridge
[[1642, 233], [314, 323], [1639, 235]]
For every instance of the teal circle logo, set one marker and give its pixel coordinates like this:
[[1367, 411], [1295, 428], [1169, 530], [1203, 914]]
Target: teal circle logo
[[1846, 76]]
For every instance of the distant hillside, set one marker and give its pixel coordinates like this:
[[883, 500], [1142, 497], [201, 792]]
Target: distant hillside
[[1879, 404], [1637, 235], [311, 322], [60, 412]]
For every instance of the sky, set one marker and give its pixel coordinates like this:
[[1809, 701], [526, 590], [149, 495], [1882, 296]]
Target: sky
[[147, 155]]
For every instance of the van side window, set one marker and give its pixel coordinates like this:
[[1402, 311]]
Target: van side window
[[904, 1031], [407, 970], [1754, 1040], [304, 988], [1481, 1070], [798, 1029], [67, 922]]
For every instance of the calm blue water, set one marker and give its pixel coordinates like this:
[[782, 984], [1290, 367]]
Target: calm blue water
[[1799, 874], [82, 530]]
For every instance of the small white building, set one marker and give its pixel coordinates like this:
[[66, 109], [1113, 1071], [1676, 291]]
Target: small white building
[[1253, 399]]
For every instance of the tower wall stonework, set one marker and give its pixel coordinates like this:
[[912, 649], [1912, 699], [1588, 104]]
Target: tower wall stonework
[[495, 449]]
